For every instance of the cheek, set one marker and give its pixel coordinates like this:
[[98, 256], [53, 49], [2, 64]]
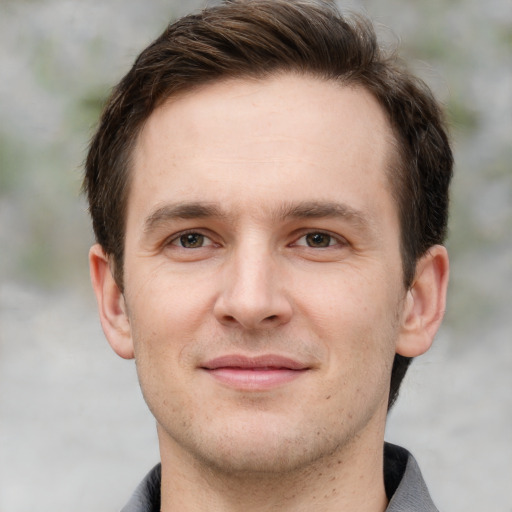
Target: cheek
[[168, 312], [346, 296], [356, 318], [162, 375], [169, 301]]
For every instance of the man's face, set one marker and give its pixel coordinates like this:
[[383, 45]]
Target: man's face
[[263, 279]]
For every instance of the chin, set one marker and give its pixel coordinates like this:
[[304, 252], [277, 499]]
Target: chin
[[243, 460], [260, 447]]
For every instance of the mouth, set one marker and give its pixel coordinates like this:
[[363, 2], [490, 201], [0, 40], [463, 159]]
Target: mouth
[[254, 373]]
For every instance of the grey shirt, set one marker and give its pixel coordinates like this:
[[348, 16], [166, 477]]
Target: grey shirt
[[405, 486]]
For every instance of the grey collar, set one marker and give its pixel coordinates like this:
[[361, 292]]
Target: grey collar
[[405, 487]]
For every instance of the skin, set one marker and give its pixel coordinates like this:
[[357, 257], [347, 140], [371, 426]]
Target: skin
[[261, 223]]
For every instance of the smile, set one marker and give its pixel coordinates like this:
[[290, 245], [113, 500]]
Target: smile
[[254, 373]]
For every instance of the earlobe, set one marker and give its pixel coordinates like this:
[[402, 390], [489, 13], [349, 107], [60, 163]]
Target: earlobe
[[425, 303], [111, 305]]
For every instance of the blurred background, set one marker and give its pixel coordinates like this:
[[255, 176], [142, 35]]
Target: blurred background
[[74, 431]]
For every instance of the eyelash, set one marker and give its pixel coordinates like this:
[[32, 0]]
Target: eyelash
[[336, 239], [176, 240]]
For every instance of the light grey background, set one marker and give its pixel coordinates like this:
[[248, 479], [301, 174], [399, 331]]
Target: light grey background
[[74, 431]]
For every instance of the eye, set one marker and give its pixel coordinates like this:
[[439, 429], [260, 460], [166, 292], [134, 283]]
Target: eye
[[317, 240], [191, 240]]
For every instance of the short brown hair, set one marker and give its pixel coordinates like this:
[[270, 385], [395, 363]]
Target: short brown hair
[[259, 38]]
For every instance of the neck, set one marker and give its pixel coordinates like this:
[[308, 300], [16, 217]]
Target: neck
[[350, 479]]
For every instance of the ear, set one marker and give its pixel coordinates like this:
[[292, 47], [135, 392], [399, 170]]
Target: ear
[[425, 303], [111, 305]]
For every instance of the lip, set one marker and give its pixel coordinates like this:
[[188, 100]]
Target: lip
[[254, 373]]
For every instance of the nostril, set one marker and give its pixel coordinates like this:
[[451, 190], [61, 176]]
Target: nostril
[[252, 312]]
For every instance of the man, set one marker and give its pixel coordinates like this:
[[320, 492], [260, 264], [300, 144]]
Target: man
[[269, 194]]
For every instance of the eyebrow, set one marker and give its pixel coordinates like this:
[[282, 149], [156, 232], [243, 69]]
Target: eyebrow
[[194, 210], [359, 219], [286, 211], [319, 209]]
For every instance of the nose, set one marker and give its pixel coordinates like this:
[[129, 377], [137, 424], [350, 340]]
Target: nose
[[252, 295]]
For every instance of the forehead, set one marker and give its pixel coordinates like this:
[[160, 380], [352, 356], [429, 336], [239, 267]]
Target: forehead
[[257, 137]]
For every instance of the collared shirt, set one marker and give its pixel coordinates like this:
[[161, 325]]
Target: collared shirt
[[405, 487]]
